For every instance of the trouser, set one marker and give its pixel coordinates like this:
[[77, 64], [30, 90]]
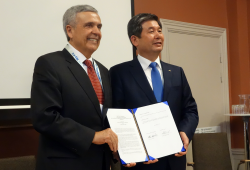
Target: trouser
[[162, 164]]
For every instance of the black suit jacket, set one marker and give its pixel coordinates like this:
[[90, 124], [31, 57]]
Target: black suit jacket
[[66, 113], [131, 89]]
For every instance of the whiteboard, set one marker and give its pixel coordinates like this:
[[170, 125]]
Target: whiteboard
[[31, 28]]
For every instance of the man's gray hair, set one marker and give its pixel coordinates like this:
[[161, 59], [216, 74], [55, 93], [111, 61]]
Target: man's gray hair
[[69, 17]]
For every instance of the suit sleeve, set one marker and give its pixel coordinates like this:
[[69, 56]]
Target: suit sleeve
[[117, 89], [190, 117], [46, 109]]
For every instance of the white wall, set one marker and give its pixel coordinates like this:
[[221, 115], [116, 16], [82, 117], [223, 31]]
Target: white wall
[[31, 28]]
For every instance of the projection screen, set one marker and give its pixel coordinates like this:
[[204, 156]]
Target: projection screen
[[31, 28]]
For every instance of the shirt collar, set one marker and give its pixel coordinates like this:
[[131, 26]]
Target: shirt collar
[[80, 56], [145, 62]]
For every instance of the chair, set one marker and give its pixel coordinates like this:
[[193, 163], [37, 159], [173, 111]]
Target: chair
[[18, 163], [211, 152]]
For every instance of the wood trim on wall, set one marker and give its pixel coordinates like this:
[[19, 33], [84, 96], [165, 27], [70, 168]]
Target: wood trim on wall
[[18, 101], [15, 109]]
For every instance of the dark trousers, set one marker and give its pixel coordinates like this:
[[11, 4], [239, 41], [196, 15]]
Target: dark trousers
[[162, 164], [104, 163]]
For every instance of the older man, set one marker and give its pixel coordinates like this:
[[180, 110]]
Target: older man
[[69, 96]]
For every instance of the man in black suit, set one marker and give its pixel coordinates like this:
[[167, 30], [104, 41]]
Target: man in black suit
[[139, 83], [69, 96]]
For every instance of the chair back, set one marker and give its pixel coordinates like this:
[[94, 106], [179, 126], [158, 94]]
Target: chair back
[[18, 163], [211, 152]]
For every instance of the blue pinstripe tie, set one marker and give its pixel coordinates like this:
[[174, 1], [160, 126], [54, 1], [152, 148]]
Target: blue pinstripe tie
[[156, 81]]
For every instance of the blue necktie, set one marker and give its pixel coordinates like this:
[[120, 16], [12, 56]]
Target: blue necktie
[[156, 81]]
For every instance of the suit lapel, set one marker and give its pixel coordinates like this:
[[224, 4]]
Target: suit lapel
[[83, 79], [141, 79], [167, 75]]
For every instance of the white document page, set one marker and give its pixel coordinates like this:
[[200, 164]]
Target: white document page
[[158, 130], [130, 147]]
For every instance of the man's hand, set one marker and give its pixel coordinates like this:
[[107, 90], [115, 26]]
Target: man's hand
[[106, 136], [130, 165], [185, 141], [151, 161], [133, 164]]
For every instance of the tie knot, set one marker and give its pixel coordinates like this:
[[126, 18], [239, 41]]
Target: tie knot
[[88, 63], [153, 65]]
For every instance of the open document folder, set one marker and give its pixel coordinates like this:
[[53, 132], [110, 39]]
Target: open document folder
[[145, 133]]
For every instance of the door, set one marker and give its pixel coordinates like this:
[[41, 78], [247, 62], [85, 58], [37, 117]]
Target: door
[[201, 52]]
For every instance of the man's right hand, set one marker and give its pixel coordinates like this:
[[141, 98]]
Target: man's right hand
[[106, 136]]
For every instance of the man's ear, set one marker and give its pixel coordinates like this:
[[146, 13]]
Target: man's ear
[[134, 40], [70, 31]]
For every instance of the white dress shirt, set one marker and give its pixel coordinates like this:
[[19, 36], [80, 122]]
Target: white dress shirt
[[147, 70], [81, 57]]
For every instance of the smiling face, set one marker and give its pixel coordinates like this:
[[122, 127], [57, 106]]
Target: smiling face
[[85, 36], [151, 42]]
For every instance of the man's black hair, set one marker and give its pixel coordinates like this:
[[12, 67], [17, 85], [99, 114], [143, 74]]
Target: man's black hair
[[135, 23]]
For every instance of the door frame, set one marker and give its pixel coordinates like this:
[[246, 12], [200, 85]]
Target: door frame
[[171, 26]]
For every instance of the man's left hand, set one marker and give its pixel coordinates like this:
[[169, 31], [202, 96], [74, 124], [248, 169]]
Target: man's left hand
[[185, 141]]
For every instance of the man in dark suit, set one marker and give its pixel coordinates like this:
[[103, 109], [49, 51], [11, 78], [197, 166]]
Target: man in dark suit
[[147, 80], [69, 96]]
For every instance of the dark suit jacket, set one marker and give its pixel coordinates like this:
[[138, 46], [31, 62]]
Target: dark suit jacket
[[131, 89], [66, 112]]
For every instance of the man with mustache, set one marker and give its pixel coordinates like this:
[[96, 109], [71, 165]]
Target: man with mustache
[[147, 80], [69, 97]]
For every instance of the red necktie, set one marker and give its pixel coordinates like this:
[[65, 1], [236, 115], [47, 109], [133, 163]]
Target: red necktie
[[94, 81]]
